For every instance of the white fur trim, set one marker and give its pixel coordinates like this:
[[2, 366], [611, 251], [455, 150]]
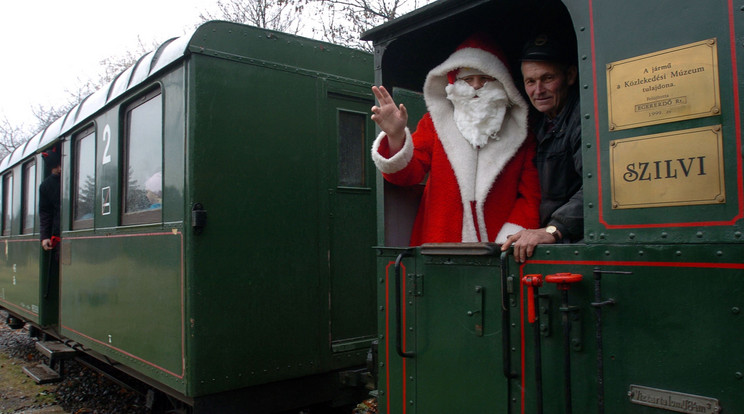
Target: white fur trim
[[398, 161], [507, 230], [475, 169]]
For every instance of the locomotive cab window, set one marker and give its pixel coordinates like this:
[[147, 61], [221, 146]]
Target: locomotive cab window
[[7, 203], [143, 160], [85, 182], [29, 197], [351, 149]]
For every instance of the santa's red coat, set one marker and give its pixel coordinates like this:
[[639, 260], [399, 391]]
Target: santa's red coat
[[472, 193], [513, 197]]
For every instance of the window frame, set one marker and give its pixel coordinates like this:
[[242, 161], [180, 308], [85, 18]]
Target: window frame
[[29, 188], [7, 203], [76, 140], [143, 216], [360, 158]]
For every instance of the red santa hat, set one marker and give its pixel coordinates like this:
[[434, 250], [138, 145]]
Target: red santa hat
[[477, 41]]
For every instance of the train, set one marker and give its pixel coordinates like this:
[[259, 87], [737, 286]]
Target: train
[[217, 214], [292, 287], [644, 315]]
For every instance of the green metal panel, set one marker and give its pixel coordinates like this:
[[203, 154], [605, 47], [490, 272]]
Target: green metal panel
[[673, 307], [641, 31], [262, 271], [451, 316], [351, 225], [121, 295], [393, 383], [20, 288]]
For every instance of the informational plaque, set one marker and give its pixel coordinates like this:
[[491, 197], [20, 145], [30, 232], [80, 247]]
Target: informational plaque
[[671, 169], [665, 86]]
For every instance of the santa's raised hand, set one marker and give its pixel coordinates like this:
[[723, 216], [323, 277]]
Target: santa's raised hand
[[391, 119]]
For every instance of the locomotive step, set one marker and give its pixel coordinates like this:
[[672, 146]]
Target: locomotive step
[[55, 350], [42, 374]]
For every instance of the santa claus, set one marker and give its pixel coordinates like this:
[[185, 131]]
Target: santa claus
[[474, 144]]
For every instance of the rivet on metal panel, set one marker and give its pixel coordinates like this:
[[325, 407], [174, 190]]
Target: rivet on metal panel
[[719, 253], [589, 175], [586, 86], [640, 252], [735, 310], [588, 144], [631, 236], [587, 116], [576, 252], [699, 234], [739, 375], [601, 235], [582, 28], [737, 234], [382, 308], [607, 252], [664, 235], [678, 253]]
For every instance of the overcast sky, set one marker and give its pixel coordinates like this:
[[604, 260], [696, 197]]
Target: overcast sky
[[49, 44]]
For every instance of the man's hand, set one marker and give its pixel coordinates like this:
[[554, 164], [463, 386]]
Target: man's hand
[[525, 241], [46, 244], [391, 119]]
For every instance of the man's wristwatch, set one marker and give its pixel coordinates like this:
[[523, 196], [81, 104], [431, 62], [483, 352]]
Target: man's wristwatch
[[553, 231]]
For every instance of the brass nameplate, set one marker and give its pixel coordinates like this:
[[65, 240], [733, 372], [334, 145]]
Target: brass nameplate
[[673, 401], [670, 85], [676, 168]]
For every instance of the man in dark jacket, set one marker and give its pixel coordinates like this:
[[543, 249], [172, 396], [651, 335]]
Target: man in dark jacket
[[550, 78], [49, 201]]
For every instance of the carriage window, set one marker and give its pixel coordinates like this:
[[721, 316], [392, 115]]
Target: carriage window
[[29, 197], [85, 181], [144, 161], [351, 148], [7, 203]]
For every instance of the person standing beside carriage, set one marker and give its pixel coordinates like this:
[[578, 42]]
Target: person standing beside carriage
[[49, 202], [474, 145], [550, 75]]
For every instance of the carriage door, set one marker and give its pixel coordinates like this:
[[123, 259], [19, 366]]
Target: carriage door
[[351, 217]]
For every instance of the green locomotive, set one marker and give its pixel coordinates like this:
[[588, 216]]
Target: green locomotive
[[642, 316], [218, 210]]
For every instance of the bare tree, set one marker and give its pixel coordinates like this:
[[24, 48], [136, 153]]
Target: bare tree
[[46, 114], [343, 21], [11, 136], [280, 15]]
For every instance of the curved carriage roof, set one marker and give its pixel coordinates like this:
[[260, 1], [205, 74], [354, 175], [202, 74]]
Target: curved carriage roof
[[217, 38]]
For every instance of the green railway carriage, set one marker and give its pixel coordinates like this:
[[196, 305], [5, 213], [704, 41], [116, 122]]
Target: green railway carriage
[[644, 315], [218, 210]]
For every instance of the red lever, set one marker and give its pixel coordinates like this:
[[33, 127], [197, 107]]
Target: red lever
[[531, 281], [563, 279]]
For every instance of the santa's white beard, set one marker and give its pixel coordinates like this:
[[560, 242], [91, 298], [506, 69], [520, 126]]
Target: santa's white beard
[[480, 113]]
